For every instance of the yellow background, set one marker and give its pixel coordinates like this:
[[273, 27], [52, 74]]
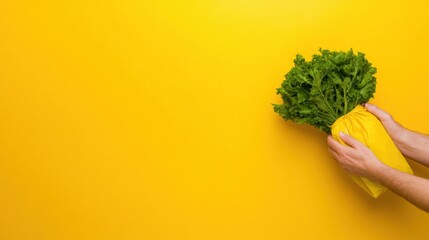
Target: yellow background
[[153, 119]]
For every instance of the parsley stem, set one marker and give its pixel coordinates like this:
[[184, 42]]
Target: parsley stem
[[333, 115], [345, 103], [327, 104]]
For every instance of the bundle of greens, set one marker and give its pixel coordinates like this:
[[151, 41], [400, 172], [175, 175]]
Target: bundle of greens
[[329, 86]]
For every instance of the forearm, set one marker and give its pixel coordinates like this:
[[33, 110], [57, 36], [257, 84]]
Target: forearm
[[414, 145], [412, 188]]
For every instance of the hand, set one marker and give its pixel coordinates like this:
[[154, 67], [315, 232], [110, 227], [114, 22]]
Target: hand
[[355, 158], [397, 132]]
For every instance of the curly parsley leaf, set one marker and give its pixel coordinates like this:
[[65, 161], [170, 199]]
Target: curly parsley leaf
[[319, 91]]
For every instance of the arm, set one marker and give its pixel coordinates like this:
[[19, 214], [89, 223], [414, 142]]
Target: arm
[[412, 188], [415, 146], [412, 144], [357, 159]]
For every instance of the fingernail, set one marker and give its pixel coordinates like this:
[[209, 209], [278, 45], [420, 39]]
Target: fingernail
[[342, 134]]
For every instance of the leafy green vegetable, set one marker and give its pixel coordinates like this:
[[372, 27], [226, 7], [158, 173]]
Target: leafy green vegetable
[[320, 91]]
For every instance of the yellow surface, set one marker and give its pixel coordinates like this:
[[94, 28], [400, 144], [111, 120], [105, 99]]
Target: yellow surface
[[152, 119], [366, 128]]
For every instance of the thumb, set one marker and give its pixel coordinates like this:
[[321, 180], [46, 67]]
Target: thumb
[[380, 114], [349, 140]]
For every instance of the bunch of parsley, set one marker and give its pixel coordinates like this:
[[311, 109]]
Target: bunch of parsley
[[319, 91]]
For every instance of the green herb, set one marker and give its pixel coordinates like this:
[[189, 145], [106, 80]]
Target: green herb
[[320, 91]]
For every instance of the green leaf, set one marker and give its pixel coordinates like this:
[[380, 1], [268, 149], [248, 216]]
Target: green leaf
[[319, 91]]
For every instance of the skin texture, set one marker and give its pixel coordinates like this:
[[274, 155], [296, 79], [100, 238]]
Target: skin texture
[[358, 160]]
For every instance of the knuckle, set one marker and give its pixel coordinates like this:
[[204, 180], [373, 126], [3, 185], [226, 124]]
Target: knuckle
[[387, 116]]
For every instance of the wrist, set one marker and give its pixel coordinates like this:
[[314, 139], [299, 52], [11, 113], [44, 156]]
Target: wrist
[[402, 138], [376, 172]]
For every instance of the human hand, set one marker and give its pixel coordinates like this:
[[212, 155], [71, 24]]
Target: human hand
[[411, 144], [396, 131], [355, 158]]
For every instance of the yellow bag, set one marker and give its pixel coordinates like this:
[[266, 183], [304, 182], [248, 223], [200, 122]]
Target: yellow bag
[[365, 127]]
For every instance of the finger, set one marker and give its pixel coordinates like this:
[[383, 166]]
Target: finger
[[333, 153], [334, 144], [379, 113], [349, 140]]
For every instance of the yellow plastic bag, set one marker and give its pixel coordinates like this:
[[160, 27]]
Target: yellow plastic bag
[[365, 127]]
